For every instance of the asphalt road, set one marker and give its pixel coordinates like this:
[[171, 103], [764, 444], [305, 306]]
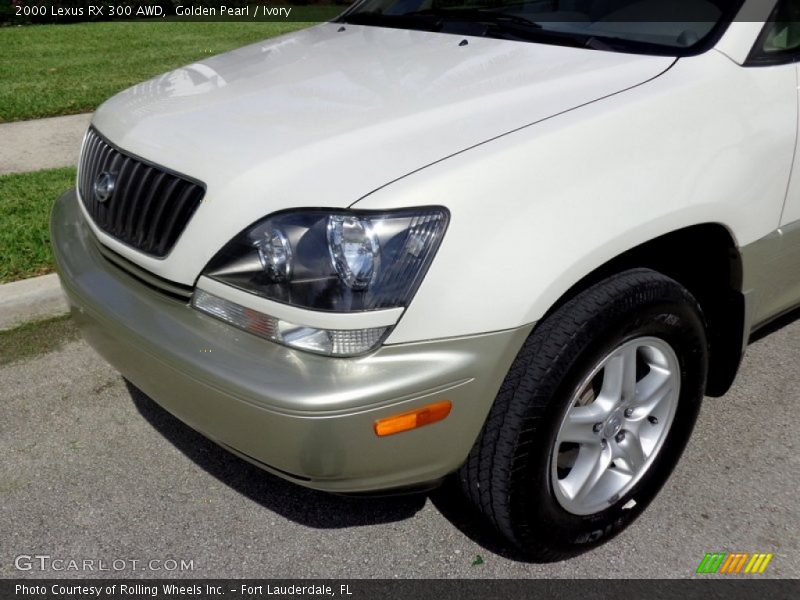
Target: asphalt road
[[92, 471]]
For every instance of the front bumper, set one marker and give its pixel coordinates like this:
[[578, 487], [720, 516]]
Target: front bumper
[[304, 417]]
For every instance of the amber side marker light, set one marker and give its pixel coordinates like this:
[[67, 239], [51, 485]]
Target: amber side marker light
[[413, 419]]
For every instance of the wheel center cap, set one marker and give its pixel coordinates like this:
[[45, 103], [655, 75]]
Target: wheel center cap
[[612, 426]]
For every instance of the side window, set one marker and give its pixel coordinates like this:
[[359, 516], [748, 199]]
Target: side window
[[779, 42]]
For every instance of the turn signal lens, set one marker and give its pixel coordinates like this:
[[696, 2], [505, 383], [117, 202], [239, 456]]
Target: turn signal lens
[[329, 342], [413, 419]]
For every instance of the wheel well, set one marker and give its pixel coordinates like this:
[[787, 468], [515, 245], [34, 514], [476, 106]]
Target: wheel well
[[705, 260]]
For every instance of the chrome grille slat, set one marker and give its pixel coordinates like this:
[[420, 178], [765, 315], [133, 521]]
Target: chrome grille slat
[[173, 220], [142, 218], [137, 198], [150, 205], [152, 235], [97, 152], [122, 198], [107, 162]]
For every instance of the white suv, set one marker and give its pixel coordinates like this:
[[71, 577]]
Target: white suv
[[517, 244]]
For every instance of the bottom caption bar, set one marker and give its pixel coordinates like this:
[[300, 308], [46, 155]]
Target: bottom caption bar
[[391, 589]]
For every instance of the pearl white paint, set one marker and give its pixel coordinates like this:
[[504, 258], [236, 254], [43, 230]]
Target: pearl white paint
[[551, 160], [323, 118]]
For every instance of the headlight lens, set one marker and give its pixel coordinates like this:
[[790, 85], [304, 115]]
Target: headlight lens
[[355, 250], [275, 255], [336, 261]]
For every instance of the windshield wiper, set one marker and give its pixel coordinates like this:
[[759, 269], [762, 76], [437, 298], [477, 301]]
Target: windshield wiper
[[498, 25], [405, 21], [478, 15], [433, 18]]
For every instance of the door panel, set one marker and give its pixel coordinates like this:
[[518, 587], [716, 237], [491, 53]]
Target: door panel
[[774, 261], [772, 264]]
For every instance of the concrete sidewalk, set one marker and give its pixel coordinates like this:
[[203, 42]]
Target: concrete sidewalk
[[31, 146], [41, 144]]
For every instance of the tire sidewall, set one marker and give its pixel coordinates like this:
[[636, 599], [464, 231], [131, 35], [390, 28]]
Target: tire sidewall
[[669, 314]]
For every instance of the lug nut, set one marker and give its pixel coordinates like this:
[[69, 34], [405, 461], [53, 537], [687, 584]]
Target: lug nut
[[620, 437], [628, 413], [653, 420], [597, 428]]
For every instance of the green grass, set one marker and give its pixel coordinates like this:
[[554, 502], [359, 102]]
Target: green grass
[[25, 203], [49, 70], [34, 339]]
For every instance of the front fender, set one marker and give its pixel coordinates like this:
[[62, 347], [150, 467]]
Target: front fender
[[537, 210]]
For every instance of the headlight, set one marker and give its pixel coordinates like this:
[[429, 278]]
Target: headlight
[[275, 255], [336, 261], [355, 250]]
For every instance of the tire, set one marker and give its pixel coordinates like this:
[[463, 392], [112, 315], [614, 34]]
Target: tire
[[513, 474]]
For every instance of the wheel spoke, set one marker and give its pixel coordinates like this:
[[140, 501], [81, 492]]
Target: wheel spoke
[[580, 420], [619, 375], [589, 469], [579, 425], [651, 391], [630, 452]]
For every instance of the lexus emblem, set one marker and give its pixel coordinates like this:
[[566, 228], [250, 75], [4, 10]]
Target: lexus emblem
[[104, 186]]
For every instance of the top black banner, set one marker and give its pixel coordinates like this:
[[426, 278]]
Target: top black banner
[[24, 12]]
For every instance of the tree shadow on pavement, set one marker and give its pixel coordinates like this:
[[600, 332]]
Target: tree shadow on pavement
[[294, 502]]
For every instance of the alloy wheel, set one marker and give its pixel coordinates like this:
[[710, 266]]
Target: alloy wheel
[[616, 423]]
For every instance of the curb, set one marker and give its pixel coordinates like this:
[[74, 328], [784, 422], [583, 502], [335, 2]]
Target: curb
[[31, 300]]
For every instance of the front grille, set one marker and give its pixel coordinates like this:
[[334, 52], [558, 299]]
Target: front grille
[[147, 208]]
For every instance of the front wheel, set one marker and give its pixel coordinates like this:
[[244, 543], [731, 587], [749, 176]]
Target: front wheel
[[592, 416]]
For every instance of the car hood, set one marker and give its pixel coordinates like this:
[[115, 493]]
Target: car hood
[[324, 116]]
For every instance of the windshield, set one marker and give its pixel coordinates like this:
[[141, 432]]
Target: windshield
[[676, 27]]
